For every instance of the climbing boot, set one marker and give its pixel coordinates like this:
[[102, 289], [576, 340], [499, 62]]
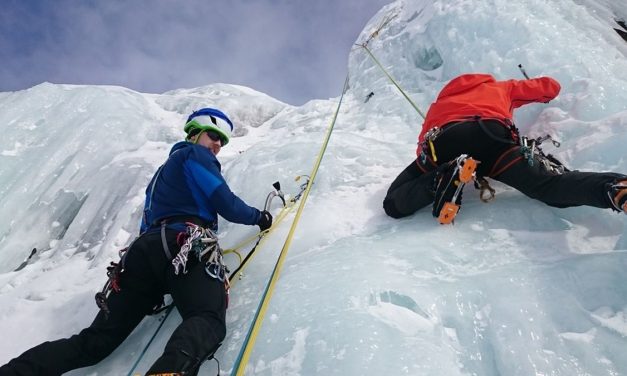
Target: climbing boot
[[450, 181], [618, 194]]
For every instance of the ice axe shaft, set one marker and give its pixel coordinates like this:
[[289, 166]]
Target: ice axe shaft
[[523, 71]]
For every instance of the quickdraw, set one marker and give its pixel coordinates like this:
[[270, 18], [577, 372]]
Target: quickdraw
[[192, 232], [430, 136], [531, 151], [114, 270], [215, 267], [204, 244]]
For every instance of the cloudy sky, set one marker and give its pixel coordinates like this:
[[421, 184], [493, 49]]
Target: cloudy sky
[[293, 50]]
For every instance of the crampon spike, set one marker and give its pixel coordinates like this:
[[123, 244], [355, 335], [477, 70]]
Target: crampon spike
[[467, 170], [463, 173], [448, 213]]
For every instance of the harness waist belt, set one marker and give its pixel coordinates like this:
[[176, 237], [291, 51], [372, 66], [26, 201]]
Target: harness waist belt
[[184, 219]]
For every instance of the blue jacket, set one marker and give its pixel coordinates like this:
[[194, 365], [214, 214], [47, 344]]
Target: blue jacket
[[189, 183]]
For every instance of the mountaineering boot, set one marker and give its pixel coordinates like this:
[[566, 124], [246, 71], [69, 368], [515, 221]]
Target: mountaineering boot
[[618, 194], [450, 181]]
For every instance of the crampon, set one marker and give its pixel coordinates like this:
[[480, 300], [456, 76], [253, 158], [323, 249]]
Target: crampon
[[449, 185]]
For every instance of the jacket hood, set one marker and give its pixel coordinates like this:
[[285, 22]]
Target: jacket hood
[[465, 82], [180, 145]]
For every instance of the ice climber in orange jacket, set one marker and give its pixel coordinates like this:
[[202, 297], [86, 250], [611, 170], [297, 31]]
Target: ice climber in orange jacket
[[472, 120]]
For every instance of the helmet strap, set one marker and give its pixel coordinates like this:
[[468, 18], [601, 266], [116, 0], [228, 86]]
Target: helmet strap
[[195, 138]]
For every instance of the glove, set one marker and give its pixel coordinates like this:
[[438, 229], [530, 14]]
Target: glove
[[265, 220]]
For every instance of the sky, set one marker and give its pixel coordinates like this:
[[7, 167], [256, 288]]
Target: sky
[[514, 287], [293, 50]]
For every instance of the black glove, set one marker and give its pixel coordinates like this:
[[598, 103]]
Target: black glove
[[265, 220]]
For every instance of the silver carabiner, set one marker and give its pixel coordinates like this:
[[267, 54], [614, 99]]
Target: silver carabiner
[[215, 270]]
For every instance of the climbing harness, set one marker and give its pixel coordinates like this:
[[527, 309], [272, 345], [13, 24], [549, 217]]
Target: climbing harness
[[428, 143], [242, 359], [522, 148]]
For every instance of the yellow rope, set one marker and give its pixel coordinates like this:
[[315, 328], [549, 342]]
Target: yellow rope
[[242, 243], [279, 218], [244, 356], [375, 33], [364, 45], [392, 80]]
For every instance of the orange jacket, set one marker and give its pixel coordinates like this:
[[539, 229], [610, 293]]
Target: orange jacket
[[481, 95]]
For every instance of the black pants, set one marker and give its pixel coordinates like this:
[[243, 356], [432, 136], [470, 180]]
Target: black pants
[[413, 188], [148, 275]]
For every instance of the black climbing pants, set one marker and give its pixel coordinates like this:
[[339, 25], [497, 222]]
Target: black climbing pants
[[148, 275], [414, 188]]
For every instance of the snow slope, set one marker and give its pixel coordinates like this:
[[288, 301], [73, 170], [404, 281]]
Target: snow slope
[[513, 288]]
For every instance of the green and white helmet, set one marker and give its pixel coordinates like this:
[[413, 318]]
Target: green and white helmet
[[210, 119]]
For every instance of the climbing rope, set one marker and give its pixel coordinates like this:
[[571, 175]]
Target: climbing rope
[[154, 335], [242, 359], [365, 47], [383, 24], [287, 208]]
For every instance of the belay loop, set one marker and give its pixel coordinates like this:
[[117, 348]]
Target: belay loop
[[114, 270]]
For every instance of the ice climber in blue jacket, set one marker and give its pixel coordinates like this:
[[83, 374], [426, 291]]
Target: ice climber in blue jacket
[[183, 201]]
